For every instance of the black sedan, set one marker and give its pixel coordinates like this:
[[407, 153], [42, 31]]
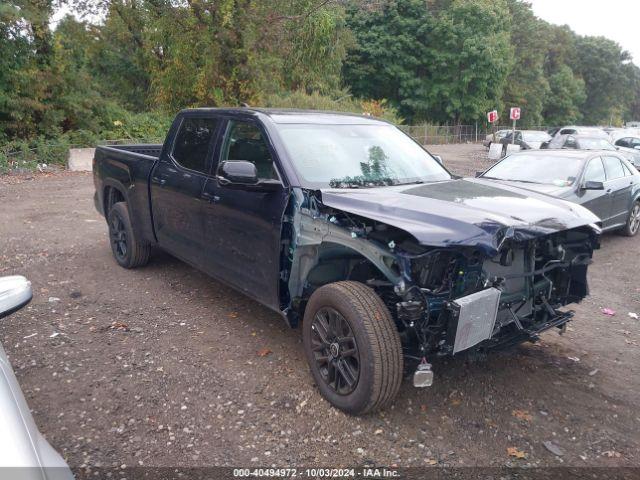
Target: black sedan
[[601, 180]]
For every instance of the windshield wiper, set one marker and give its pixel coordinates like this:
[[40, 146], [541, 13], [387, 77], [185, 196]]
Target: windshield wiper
[[521, 181], [417, 182]]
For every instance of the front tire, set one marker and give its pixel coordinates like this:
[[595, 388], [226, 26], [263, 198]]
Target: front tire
[[633, 222], [126, 249], [353, 347]]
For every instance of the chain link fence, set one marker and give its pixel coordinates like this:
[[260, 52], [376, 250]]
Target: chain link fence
[[450, 134]]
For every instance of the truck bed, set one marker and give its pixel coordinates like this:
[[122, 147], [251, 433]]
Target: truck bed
[[126, 168]]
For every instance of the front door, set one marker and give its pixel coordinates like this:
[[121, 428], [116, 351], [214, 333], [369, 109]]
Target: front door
[[598, 201], [176, 188], [619, 183], [242, 225]]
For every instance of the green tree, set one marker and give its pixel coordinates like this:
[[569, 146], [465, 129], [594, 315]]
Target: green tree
[[444, 67], [526, 86], [600, 63], [567, 94], [471, 54], [16, 89], [632, 96]]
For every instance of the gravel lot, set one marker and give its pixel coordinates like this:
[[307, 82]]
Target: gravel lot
[[163, 366]]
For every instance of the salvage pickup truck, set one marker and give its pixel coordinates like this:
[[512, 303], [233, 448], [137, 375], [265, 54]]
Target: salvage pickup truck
[[345, 225]]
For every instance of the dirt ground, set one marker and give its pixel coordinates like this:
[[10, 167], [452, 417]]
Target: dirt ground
[[163, 366]]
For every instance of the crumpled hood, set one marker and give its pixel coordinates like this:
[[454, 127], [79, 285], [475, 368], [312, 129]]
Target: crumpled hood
[[469, 212]]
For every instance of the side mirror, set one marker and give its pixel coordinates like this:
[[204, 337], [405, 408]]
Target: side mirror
[[479, 174], [15, 293], [438, 159], [591, 185], [239, 172]]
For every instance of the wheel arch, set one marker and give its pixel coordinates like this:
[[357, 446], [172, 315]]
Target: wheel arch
[[331, 262], [112, 193]]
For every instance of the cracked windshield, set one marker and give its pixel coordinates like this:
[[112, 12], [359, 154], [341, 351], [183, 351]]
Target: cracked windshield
[[352, 156]]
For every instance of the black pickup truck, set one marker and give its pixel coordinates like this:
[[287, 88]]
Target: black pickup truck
[[344, 224]]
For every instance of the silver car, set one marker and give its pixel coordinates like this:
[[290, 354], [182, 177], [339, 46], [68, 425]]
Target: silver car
[[494, 137], [24, 453]]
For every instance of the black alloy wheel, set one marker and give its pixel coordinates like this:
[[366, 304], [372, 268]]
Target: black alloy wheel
[[118, 235], [126, 249], [353, 347], [335, 351]]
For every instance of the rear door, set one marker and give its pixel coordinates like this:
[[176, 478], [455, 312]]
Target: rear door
[[176, 187], [242, 225], [619, 184], [598, 201]]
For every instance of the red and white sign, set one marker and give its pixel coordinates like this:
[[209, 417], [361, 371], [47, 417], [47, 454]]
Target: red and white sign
[[514, 114], [492, 116]]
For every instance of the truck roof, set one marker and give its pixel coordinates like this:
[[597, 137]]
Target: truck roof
[[279, 115]]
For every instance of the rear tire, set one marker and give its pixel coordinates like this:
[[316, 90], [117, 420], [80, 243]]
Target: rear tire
[[126, 249], [353, 347], [633, 222]]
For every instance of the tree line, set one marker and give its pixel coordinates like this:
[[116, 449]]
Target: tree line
[[121, 68]]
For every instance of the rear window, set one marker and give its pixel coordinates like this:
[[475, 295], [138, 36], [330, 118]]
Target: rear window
[[192, 143]]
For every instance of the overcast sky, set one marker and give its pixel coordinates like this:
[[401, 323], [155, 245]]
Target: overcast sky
[[618, 20]]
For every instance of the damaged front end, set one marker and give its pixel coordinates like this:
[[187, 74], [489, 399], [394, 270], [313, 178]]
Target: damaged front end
[[445, 299]]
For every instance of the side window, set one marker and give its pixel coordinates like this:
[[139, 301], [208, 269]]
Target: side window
[[623, 142], [594, 171], [627, 170], [244, 141], [613, 167], [192, 142], [634, 142]]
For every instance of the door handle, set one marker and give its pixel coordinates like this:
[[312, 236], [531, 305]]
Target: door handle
[[211, 198], [160, 181]]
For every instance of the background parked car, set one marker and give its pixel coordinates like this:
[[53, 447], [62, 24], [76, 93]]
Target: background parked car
[[494, 137], [527, 139], [588, 142], [628, 142], [619, 133], [602, 181], [24, 452], [575, 130]]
